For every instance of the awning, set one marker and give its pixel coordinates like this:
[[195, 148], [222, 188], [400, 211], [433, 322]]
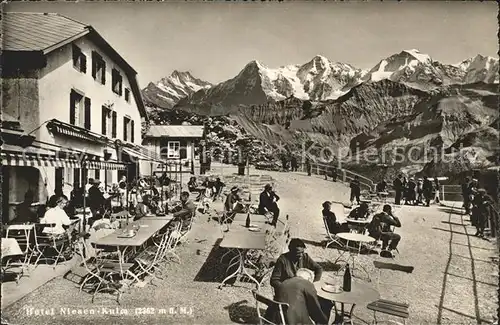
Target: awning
[[35, 160], [105, 165], [59, 127]]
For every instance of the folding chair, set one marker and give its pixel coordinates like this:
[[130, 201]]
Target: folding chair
[[148, 261], [23, 235], [46, 242], [280, 307], [389, 307], [183, 239], [104, 273]]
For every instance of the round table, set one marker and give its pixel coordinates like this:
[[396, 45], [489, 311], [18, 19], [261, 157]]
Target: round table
[[361, 293], [359, 224], [349, 236]]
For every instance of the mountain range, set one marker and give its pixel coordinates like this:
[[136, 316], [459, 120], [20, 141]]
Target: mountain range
[[405, 100], [317, 80]]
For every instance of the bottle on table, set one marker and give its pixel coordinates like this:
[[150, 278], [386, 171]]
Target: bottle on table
[[247, 223], [347, 279]]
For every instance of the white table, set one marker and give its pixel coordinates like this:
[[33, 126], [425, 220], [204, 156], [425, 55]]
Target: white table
[[360, 224], [243, 241], [360, 239]]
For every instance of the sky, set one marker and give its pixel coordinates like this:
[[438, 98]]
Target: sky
[[215, 40]]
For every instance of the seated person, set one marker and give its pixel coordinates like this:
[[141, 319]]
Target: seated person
[[380, 228], [334, 227], [360, 212], [184, 212], [56, 215], [218, 186], [301, 296], [143, 208], [268, 203], [25, 212], [287, 264], [233, 202], [192, 185]]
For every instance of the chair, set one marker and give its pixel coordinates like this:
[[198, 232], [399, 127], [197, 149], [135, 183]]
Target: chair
[[389, 307], [103, 272], [148, 261], [23, 235], [45, 242], [183, 238], [280, 307], [332, 238]]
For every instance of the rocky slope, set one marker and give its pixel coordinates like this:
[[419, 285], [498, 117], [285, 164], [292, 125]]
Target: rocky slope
[[326, 109]]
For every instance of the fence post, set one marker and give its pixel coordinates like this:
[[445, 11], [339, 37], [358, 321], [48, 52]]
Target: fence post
[[442, 193]]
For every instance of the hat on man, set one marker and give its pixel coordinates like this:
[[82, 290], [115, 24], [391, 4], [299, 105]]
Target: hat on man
[[96, 181], [268, 187], [235, 189]]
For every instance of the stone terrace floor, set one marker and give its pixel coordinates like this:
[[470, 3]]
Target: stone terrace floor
[[455, 279]]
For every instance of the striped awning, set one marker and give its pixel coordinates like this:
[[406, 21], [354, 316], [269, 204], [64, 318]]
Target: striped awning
[[105, 165], [59, 127], [34, 160]]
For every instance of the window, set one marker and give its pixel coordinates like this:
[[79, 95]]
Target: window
[[97, 174], [107, 121], [116, 82], [79, 110], [126, 128], [174, 149], [127, 95], [79, 59], [98, 68]]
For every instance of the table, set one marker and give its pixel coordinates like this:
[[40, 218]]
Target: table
[[359, 224], [361, 293], [148, 227], [359, 238], [243, 241], [10, 248], [254, 218]]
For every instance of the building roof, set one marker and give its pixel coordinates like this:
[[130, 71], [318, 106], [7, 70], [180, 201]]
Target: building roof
[[175, 131], [28, 31], [46, 32]]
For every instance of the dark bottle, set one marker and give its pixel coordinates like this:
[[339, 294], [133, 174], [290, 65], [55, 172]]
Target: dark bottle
[[247, 223], [347, 279]]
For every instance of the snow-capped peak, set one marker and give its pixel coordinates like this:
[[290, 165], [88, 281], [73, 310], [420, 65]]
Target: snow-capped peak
[[424, 58]]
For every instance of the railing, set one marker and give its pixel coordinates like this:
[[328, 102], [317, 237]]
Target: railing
[[450, 193], [344, 175]]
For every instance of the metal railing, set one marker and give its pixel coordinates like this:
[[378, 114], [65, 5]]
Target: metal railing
[[344, 175]]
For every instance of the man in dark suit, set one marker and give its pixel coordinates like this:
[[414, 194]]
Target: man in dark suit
[[427, 190], [267, 203], [296, 258], [355, 189], [184, 212], [301, 296], [96, 198], [397, 184]]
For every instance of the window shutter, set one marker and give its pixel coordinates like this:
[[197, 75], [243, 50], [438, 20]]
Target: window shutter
[[84, 63], [76, 53], [124, 129], [72, 107], [103, 76], [104, 120], [94, 64], [113, 125], [87, 113], [132, 131]]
